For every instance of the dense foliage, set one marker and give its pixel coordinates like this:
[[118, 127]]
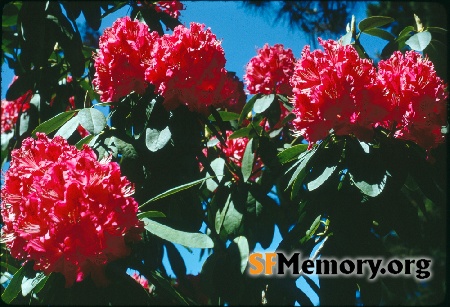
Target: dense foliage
[[332, 149]]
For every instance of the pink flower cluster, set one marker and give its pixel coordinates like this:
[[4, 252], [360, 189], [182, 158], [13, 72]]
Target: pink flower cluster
[[65, 210], [336, 89], [234, 152], [186, 67], [416, 98], [172, 8], [120, 64], [270, 70], [10, 110]]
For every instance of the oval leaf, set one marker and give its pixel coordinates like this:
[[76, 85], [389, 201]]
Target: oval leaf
[[346, 39], [374, 22], [14, 286], [368, 189], [291, 153], [242, 244], [247, 161], [174, 190], [68, 128], [261, 104], [92, 120], [314, 184], [194, 240], [53, 123], [156, 139], [383, 34], [217, 166], [247, 108], [85, 140], [419, 41], [147, 214], [226, 116]]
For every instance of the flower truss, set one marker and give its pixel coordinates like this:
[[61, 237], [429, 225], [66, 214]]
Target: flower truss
[[66, 211]]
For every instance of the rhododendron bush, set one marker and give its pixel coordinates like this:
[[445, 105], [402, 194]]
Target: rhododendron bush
[[119, 155]]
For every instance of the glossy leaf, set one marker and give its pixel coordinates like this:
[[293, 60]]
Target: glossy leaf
[[419, 41], [220, 215], [243, 132], [374, 22], [369, 189], [92, 120], [242, 244], [247, 161], [85, 140], [217, 166], [150, 214], [291, 153], [346, 39], [175, 190], [314, 184], [262, 103], [226, 116], [383, 34], [194, 240], [247, 108], [68, 128], [14, 286], [156, 139], [233, 219], [28, 284], [405, 32], [54, 123]]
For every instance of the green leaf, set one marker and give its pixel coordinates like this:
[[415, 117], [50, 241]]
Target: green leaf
[[157, 139], [247, 161], [217, 166], [243, 132], [346, 39], [220, 215], [150, 214], [437, 30], [247, 108], [368, 189], [54, 123], [312, 230], [68, 128], [85, 140], [405, 32], [374, 22], [242, 244], [291, 153], [14, 286], [300, 173], [226, 116], [419, 41], [9, 267], [28, 284], [383, 34], [194, 240], [314, 184], [261, 104], [233, 219], [174, 190], [92, 120]]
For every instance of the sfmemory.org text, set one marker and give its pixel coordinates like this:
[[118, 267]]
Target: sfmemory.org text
[[280, 264]]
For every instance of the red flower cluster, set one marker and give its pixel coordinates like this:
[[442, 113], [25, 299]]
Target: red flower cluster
[[120, 63], [10, 110], [65, 210], [416, 98], [336, 89], [188, 67], [234, 151], [269, 71], [172, 8]]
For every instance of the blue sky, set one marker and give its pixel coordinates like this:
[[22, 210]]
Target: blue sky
[[242, 31]]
